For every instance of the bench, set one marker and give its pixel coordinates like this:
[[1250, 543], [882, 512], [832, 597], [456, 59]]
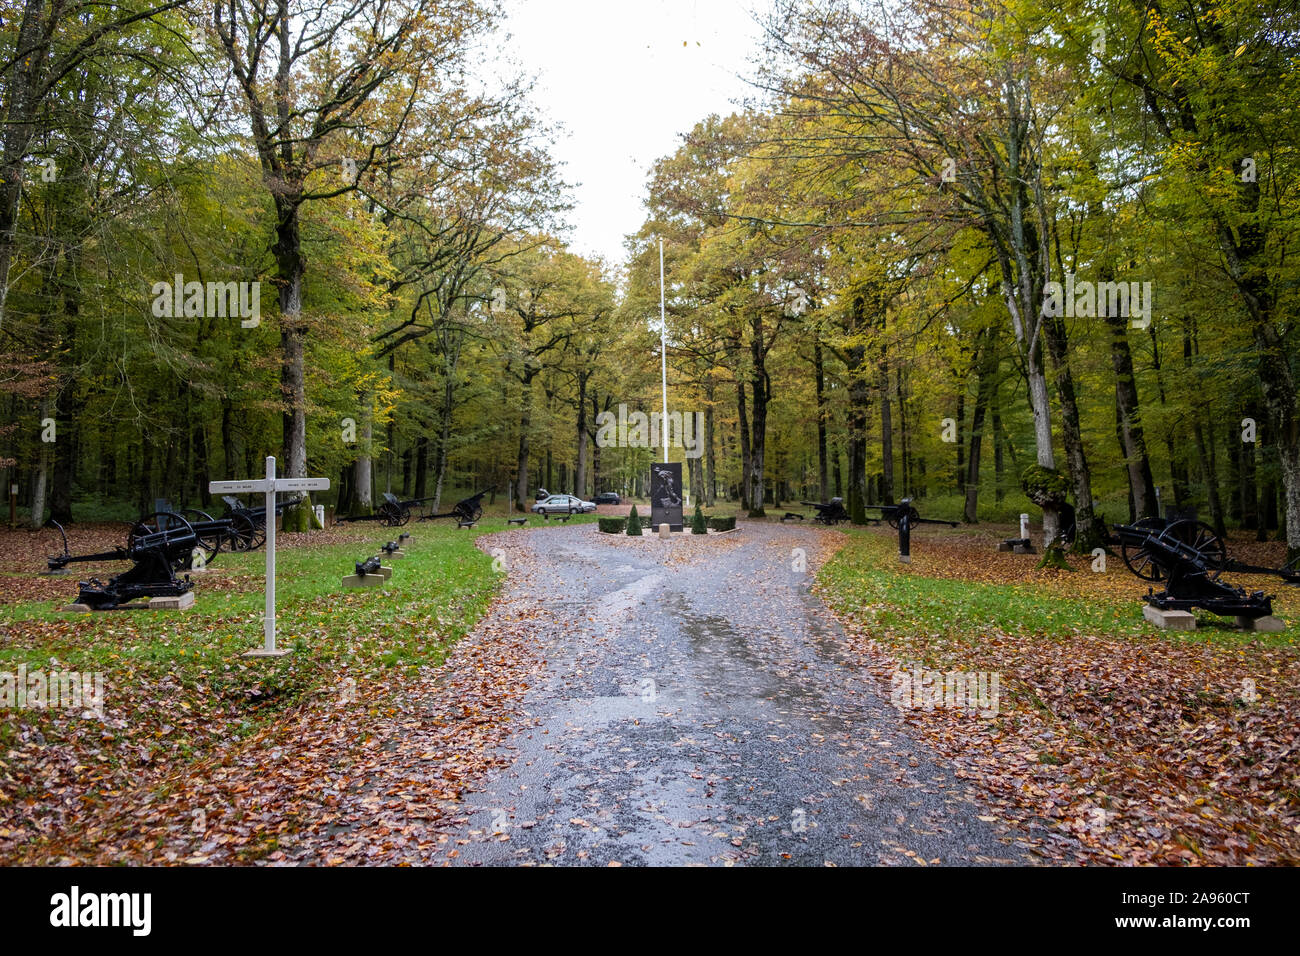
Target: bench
[[517, 521], [790, 516]]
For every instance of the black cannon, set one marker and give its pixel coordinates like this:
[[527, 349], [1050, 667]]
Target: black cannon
[[831, 513], [391, 548], [466, 510], [392, 512], [211, 535], [892, 514], [248, 525], [1188, 558], [157, 550], [368, 566]]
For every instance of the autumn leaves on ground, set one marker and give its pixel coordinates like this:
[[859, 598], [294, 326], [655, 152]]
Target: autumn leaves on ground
[[1117, 743]]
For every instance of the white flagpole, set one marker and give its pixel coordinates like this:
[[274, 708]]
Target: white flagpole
[[268, 629], [663, 350]]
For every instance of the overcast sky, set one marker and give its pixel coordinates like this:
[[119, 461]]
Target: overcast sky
[[625, 79]]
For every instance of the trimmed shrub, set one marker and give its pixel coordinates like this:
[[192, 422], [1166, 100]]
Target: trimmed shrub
[[721, 523], [697, 522], [634, 522], [612, 525]]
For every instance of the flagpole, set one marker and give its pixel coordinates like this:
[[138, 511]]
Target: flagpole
[[663, 351]]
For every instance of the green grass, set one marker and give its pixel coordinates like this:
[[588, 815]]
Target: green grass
[[437, 593]]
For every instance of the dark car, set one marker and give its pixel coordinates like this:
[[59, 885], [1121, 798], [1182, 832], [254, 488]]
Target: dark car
[[608, 498]]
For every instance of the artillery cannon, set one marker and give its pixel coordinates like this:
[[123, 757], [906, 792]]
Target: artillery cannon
[[158, 546], [830, 513], [1188, 557], [248, 525], [466, 510], [211, 535], [892, 515], [368, 566]]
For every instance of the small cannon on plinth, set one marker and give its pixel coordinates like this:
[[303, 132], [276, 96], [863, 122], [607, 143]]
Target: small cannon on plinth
[[1188, 557], [370, 573], [157, 551]]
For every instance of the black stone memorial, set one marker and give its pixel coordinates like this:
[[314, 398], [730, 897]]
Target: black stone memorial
[[666, 495]]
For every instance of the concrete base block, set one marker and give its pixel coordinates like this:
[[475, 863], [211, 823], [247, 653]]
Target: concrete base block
[[172, 603], [263, 652], [1006, 546], [76, 608], [387, 572], [1025, 549], [665, 531], [1267, 624], [1170, 620], [397, 555], [365, 581], [904, 559]]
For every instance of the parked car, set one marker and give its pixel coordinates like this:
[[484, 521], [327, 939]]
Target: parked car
[[542, 494], [563, 505], [608, 498]]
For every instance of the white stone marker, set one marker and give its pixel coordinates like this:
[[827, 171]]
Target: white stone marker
[[1024, 527], [269, 487]]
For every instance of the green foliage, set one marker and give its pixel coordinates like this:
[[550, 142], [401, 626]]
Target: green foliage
[[697, 521], [1044, 484], [612, 525], [723, 522], [634, 522]]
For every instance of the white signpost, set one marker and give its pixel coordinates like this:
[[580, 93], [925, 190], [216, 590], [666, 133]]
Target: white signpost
[[269, 486]]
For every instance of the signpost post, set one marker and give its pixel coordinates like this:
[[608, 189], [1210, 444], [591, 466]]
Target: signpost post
[[269, 487]]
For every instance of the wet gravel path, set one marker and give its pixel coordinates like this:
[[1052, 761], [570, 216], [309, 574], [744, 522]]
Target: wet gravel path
[[699, 707]]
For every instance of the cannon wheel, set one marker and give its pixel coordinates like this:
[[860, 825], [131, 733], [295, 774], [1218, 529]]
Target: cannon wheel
[[211, 542], [151, 524], [394, 516], [1195, 534], [245, 533], [912, 517], [1199, 535], [476, 512]]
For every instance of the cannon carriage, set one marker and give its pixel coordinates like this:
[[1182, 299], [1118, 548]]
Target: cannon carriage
[[158, 546], [1189, 558]]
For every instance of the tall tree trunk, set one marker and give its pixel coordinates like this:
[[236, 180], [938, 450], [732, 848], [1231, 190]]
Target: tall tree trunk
[[1142, 484], [859, 409], [580, 469], [293, 382], [746, 462], [761, 393], [986, 370], [525, 423], [1089, 534], [822, 464], [710, 468], [363, 492], [886, 437]]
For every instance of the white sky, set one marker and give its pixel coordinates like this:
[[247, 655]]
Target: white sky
[[616, 75]]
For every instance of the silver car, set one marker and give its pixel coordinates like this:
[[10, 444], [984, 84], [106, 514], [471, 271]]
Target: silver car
[[563, 505]]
